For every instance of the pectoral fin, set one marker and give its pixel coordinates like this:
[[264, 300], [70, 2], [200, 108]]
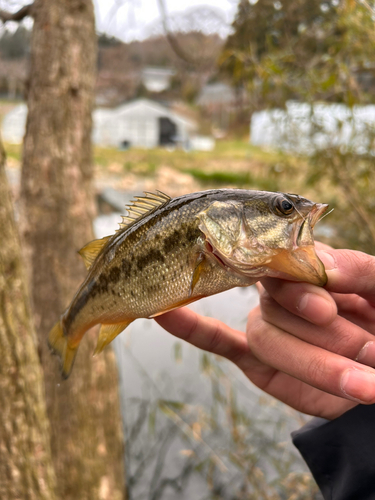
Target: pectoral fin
[[109, 332], [199, 269]]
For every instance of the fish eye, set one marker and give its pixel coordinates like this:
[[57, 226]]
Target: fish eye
[[284, 206]]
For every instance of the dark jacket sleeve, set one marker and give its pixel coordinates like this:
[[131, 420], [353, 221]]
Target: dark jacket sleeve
[[341, 453]]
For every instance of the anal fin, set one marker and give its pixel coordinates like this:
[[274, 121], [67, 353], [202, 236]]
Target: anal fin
[[108, 332]]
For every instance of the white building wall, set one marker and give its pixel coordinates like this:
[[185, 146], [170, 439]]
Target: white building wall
[[304, 129], [136, 122], [14, 125]]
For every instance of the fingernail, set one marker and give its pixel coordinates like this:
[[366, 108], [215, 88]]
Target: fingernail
[[328, 260], [316, 309], [366, 355], [358, 385]]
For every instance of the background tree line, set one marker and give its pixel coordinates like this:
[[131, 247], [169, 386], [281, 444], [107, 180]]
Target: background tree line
[[315, 51]]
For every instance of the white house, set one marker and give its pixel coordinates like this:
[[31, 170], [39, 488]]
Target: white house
[[140, 123], [303, 128]]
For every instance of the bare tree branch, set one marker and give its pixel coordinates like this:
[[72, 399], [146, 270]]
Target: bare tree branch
[[25, 11], [173, 42], [369, 7]]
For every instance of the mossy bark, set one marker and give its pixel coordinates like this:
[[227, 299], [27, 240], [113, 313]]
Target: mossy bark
[[57, 207], [26, 470]]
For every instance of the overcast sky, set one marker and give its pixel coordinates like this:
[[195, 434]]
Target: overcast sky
[[137, 19], [132, 19]]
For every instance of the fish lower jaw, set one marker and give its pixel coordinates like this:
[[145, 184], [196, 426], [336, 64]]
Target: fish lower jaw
[[301, 264]]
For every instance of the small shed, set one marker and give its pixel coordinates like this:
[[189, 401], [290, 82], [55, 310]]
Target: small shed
[[141, 123]]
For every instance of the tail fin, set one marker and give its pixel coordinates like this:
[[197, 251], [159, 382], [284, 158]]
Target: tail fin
[[58, 343]]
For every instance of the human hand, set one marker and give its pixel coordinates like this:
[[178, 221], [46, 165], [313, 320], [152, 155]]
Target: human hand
[[302, 352], [312, 358]]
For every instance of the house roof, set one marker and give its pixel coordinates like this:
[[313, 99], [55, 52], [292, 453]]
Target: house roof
[[146, 107]]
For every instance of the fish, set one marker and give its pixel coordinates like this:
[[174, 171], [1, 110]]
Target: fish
[[169, 252]]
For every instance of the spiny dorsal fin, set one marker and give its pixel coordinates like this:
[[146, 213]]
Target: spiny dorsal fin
[[143, 205], [90, 251]]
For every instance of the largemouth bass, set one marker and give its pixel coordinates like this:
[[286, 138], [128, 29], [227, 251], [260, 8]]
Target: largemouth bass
[[171, 252]]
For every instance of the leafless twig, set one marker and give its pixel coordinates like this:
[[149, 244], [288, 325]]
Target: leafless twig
[[369, 7], [25, 11], [173, 42]]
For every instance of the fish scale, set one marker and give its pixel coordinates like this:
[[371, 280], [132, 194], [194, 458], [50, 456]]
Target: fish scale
[[171, 252]]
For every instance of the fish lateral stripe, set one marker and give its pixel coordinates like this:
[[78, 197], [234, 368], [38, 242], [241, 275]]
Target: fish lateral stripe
[[78, 303]]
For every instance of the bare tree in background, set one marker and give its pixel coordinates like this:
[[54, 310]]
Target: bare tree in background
[[57, 208], [25, 467]]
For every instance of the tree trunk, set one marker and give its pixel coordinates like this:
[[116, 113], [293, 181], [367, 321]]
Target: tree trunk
[[57, 209], [26, 470]]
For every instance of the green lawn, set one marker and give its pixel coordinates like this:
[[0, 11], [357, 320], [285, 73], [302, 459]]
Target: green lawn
[[231, 163], [224, 150], [235, 163], [13, 151]]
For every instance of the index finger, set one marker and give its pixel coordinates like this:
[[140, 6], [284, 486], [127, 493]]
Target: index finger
[[206, 333], [350, 271]]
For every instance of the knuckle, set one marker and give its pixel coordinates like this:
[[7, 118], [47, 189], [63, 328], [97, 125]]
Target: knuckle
[[360, 262], [267, 306], [257, 333], [216, 338], [316, 369], [342, 342], [191, 331]]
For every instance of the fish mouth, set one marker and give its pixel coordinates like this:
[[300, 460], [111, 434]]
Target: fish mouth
[[316, 213], [302, 263], [303, 232]]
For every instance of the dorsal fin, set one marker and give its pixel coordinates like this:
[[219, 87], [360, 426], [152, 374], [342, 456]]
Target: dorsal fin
[[143, 205], [90, 251]]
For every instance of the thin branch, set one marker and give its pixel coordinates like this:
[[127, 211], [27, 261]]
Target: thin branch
[[173, 42], [368, 6], [16, 16]]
